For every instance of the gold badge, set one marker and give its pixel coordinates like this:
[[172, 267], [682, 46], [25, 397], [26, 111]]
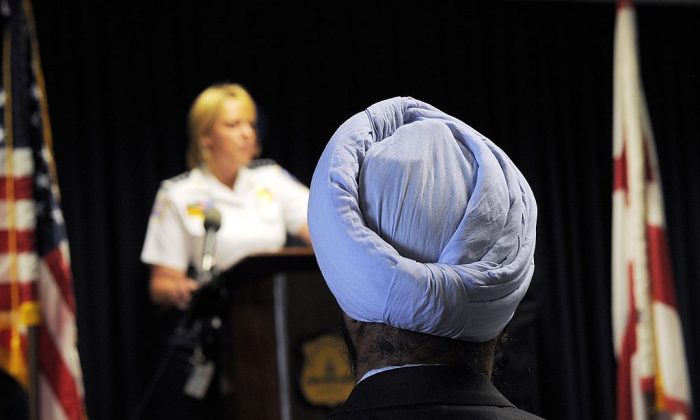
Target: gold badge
[[325, 376], [264, 194], [196, 210]]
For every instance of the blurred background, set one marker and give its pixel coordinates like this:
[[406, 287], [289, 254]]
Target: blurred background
[[535, 77]]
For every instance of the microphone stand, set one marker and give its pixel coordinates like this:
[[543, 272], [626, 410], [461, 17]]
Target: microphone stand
[[199, 321]]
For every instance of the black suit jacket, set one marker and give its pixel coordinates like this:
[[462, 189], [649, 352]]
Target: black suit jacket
[[427, 392]]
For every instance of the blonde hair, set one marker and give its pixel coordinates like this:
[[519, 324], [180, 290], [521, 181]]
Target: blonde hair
[[206, 108]]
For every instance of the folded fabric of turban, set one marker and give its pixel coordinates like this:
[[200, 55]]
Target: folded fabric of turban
[[420, 222]]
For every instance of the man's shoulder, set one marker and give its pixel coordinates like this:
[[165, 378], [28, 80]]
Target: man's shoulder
[[434, 411], [440, 392]]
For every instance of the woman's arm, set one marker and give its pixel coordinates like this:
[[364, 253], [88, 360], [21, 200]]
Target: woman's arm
[[171, 287], [304, 235]]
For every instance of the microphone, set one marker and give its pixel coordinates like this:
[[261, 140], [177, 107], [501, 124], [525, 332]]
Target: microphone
[[212, 223]]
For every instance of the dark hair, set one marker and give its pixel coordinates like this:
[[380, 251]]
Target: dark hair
[[393, 347]]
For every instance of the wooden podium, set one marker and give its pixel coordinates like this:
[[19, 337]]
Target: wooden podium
[[277, 363], [282, 348]]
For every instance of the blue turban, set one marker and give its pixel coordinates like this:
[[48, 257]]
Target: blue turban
[[421, 223]]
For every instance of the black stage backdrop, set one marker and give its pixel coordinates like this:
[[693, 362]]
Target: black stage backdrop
[[534, 77]]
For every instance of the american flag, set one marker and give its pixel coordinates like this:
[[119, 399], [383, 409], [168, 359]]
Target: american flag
[[36, 288], [652, 376]]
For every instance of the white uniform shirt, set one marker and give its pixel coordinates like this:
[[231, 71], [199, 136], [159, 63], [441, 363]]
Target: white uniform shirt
[[264, 204]]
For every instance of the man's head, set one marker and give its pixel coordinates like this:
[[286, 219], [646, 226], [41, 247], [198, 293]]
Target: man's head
[[422, 224]]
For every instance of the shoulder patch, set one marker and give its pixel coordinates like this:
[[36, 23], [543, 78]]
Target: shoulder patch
[[259, 163], [180, 177], [161, 199], [175, 179]]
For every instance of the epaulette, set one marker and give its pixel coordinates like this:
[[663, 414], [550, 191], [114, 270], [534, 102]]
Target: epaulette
[[175, 179], [259, 163]]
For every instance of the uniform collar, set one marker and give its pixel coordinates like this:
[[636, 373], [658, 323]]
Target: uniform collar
[[207, 177]]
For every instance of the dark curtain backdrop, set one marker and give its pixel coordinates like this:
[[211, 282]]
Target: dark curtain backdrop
[[534, 77]]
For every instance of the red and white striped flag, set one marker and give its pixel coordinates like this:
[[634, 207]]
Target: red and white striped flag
[[36, 288], [652, 376]]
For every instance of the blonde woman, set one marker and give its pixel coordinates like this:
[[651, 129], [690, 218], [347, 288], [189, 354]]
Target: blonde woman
[[258, 200]]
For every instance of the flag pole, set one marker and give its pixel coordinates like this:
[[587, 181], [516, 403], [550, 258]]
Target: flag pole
[[32, 361], [33, 330], [33, 393]]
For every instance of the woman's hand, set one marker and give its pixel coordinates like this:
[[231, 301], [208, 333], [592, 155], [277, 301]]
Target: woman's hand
[[170, 287], [304, 234]]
